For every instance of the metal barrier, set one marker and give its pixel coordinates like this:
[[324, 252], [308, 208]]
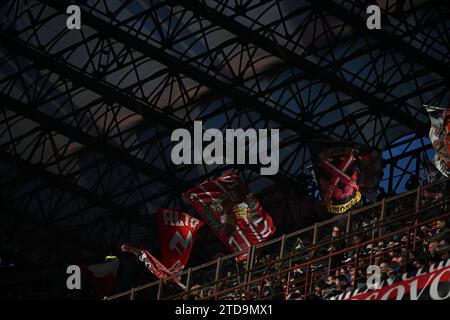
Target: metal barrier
[[373, 221], [313, 275]]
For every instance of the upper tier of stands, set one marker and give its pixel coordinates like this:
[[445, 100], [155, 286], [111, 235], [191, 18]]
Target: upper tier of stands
[[299, 261]]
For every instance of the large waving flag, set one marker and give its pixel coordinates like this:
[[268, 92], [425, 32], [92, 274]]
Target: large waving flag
[[177, 231], [371, 169], [151, 263], [432, 174], [338, 176], [234, 215], [103, 276], [440, 137]]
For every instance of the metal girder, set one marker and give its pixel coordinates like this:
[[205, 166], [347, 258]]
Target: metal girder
[[384, 38], [407, 154], [109, 151], [126, 36], [61, 182], [112, 211], [242, 99], [247, 35], [305, 132], [107, 91], [240, 89], [48, 122], [238, 82], [78, 135], [63, 235]]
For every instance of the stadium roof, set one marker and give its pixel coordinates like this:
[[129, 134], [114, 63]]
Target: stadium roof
[[86, 115]]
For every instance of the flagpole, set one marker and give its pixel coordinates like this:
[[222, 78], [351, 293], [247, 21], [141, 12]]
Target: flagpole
[[436, 108]]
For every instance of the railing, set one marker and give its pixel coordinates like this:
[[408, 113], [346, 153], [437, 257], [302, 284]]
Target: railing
[[374, 221], [313, 275]]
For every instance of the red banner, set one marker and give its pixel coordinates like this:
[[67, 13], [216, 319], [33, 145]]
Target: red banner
[[338, 177], [371, 169], [431, 285], [235, 215], [177, 233], [103, 276]]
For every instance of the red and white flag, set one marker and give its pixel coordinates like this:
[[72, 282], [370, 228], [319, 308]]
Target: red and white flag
[[235, 215], [104, 276], [151, 263], [177, 233], [370, 164], [440, 137], [338, 176]]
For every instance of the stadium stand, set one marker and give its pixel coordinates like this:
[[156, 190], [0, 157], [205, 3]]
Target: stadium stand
[[400, 234]]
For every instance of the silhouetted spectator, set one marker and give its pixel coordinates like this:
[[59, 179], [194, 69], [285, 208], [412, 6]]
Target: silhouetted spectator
[[412, 183], [382, 194]]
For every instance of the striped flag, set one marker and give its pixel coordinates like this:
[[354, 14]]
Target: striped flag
[[151, 263], [233, 213], [440, 137]]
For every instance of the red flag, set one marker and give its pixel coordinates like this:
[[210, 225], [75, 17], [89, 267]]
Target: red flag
[[151, 263], [104, 276], [235, 215], [371, 169], [338, 176], [177, 233], [431, 285]]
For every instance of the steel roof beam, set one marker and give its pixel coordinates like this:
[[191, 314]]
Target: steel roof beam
[[314, 71], [107, 150], [384, 38]]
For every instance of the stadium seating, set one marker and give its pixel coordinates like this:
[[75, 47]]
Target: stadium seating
[[297, 265]]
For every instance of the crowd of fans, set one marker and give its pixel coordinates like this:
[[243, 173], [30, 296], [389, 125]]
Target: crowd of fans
[[339, 273], [431, 246]]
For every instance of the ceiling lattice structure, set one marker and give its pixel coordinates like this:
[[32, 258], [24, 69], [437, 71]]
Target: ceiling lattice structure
[[86, 115]]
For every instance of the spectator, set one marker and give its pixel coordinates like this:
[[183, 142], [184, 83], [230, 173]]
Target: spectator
[[341, 283], [382, 194], [298, 244], [359, 281], [393, 276], [412, 183], [317, 291], [352, 276], [443, 249], [418, 264], [296, 295], [442, 230], [357, 239], [433, 255], [337, 244]]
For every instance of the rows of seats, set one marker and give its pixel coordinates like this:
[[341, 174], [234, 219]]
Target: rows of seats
[[319, 261]]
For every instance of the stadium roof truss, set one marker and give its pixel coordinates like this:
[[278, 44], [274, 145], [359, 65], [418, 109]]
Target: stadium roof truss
[[86, 115]]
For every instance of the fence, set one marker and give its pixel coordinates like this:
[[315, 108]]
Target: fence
[[304, 248]]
